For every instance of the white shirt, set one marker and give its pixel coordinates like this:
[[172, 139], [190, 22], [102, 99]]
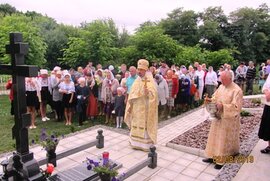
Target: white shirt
[[68, 87], [200, 74], [211, 78], [163, 91], [266, 85], [31, 84]]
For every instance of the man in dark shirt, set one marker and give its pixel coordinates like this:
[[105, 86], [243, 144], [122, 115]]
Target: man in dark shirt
[[250, 76]]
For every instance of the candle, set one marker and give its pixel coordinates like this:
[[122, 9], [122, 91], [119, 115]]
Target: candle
[[105, 155]]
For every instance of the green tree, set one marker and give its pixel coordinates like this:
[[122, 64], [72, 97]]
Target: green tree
[[188, 55], [182, 26], [100, 38], [213, 29], [250, 33], [77, 52], [220, 57], [31, 35], [123, 39], [7, 9], [151, 43]]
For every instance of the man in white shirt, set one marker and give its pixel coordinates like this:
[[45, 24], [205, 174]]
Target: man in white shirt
[[210, 81]]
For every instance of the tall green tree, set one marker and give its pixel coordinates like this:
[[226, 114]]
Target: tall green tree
[[100, 37], [153, 44], [213, 29], [31, 35], [249, 33], [188, 55], [76, 54], [182, 26], [7, 9]]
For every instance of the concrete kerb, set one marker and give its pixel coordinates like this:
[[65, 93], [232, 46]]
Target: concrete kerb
[[228, 171], [186, 149]]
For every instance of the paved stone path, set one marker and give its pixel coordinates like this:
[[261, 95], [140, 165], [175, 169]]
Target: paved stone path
[[172, 164], [257, 171]]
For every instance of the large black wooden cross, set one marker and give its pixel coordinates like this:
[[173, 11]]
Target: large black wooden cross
[[19, 71]]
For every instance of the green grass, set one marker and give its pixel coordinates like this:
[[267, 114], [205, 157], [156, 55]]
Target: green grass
[[52, 127], [7, 122]]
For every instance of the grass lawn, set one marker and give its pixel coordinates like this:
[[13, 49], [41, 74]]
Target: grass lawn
[[7, 121]]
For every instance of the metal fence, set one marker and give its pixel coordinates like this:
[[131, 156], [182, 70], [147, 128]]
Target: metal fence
[[3, 81]]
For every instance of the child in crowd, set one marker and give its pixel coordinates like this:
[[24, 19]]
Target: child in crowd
[[119, 106]]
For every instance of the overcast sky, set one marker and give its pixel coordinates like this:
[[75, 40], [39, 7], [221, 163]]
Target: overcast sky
[[125, 13]]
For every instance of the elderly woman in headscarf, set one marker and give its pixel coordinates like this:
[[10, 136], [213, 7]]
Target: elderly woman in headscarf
[[163, 94], [92, 108], [108, 93]]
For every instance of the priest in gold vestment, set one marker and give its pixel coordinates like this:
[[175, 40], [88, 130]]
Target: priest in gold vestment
[[223, 137], [141, 113]]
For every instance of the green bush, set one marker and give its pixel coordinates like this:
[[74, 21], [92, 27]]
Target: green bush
[[245, 113]]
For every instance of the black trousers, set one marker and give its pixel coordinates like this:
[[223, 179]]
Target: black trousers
[[249, 88], [82, 114], [12, 107], [59, 108]]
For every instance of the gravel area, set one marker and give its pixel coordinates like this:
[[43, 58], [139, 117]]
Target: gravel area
[[252, 103], [197, 137]]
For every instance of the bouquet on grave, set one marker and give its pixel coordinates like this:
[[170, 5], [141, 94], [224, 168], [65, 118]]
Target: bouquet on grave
[[104, 167], [49, 143]]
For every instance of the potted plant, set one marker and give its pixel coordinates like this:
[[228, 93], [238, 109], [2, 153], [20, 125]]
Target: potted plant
[[104, 168], [49, 143]]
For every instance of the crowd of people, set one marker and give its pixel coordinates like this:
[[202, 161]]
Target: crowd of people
[[137, 95], [93, 91]]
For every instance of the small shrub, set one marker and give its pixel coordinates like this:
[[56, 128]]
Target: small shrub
[[256, 101], [72, 129], [245, 113]]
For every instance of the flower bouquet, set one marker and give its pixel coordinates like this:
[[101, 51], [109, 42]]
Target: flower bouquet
[[104, 167], [49, 143]]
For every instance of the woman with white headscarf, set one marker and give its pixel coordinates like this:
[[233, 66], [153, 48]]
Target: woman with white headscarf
[[92, 108], [163, 94], [108, 92], [67, 88]]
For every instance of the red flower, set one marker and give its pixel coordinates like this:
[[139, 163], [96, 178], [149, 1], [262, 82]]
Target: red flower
[[50, 168]]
